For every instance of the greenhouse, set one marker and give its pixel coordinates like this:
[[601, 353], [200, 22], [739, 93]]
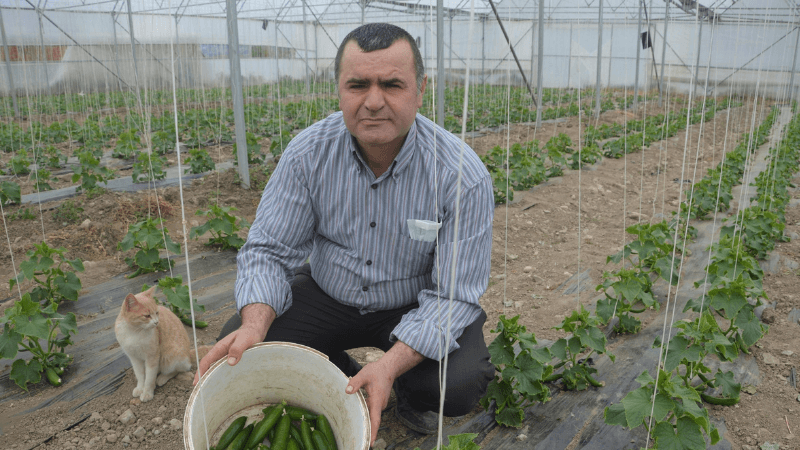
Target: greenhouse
[[637, 265]]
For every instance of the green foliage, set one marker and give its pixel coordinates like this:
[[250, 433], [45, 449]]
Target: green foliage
[[279, 143], [26, 326], [163, 142], [254, 155], [585, 339], [53, 281], [20, 163], [22, 214], [520, 381], [461, 442], [178, 300], [68, 212], [519, 169], [148, 167], [148, 237], [199, 161], [90, 173], [127, 145], [222, 225], [42, 177], [9, 193]]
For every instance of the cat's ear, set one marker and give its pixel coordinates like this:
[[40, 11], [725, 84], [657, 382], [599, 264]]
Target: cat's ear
[[150, 291], [130, 302]]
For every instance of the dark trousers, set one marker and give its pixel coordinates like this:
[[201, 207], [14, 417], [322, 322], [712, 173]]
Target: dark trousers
[[320, 322]]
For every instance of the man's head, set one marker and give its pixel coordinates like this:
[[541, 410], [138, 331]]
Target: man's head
[[380, 89], [379, 36]]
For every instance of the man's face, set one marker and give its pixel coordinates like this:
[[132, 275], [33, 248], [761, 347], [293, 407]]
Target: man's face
[[378, 94]]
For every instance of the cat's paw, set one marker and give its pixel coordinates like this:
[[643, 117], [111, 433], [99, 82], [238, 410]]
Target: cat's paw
[[137, 391], [163, 378], [146, 396]]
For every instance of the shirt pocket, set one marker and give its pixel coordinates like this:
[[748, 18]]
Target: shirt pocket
[[412, 258]]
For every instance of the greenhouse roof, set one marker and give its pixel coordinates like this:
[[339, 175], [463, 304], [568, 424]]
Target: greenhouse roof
[[347, 11]]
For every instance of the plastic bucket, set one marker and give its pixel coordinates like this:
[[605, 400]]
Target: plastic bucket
[[268, 373]]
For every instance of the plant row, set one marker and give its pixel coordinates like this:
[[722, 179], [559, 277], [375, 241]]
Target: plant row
[[33, 325]]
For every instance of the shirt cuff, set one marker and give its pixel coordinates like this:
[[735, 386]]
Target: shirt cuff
[[263, 289]]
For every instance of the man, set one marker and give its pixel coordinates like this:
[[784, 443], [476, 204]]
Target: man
[[353, 192]]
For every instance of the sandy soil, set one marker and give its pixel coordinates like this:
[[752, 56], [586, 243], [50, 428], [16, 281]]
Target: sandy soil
[[564, 227]]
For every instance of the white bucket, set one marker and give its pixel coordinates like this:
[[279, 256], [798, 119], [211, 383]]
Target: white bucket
[[268, 373]]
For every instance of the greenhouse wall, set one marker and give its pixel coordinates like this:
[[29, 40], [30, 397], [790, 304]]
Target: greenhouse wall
[[742, 57]]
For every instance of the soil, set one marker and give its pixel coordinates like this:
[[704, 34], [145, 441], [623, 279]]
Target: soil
[[545, 236]]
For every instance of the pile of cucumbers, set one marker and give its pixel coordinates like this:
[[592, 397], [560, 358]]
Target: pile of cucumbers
[[286, 427]]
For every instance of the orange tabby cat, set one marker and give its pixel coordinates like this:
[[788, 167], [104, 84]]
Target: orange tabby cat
[[155, 341]]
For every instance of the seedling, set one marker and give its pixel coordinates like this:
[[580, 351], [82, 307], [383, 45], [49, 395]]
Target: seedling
[[148, 237], [54, 281], [222, 225]]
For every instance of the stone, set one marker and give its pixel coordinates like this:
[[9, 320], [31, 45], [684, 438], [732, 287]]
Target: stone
[[175, 424], [769, 359], [95, 416], [372, 357], [157, 420], [139, 433], [86, 224], [528, 269], [126, 439], [518, 304], [105, 426], [787, 353], [521, 437], [501, 276], [769, 446], [380, 444], [156, 432], [769, 316], [512, 257], [111, 438], [127, 417]]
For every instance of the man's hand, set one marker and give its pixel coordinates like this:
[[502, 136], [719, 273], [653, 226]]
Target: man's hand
[[377, 379], [256, 320]]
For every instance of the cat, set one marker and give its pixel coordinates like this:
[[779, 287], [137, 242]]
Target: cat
[[155, 341]]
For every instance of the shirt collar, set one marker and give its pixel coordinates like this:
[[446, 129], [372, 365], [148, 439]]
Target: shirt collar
[[401, 161]]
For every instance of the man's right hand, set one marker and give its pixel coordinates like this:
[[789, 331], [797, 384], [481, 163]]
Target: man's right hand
[[256, 320]]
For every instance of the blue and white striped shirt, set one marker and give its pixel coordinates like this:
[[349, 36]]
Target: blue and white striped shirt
[[323, 201]]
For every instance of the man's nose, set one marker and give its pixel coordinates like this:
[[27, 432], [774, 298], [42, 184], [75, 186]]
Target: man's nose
[[374, 100]]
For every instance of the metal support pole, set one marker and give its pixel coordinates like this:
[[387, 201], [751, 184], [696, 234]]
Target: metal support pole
[[277, 66], [697, 63], [483, 48], [663, 57], [133, 51], [316, 48], [610, 56], [794, 67], [599, 59], [450, 55], [439, 63], [305, 46], [569, 60], [533, 44], [363, 4], [178, 55], [7, 57], [540, 69], [236, 94], [513, 53], [116, 49], [638, 59]]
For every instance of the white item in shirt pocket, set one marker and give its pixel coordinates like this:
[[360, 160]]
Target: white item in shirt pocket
[[423, 230]]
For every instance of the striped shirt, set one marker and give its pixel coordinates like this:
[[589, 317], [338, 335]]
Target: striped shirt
[[324, 202]]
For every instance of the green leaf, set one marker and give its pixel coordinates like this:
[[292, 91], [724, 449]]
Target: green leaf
[[593, 338], [9, 342], [751, 328], [462, 442], [501, 353], [24, 372], [689, 436], [146, 259], [510, 417], [68, 323], [68, 286], [559, 349], [32, 326], [639, 403], [730, 388], [615, 415], [681, 349]]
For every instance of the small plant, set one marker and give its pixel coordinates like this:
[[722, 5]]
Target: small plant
[[254, 155], [586, 339], [42, 177], [9, 193], [20, 163], [177, 295], [22, 214], [199, 161], [148, 167], [68, 212], [148, 237], [520, 381], [222, 226], [163, 142], [279, 143], [45, 267], [127, 145], [461, 442], [24, 327], [90, 173]]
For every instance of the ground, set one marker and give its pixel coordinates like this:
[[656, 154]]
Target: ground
[[545, 236]]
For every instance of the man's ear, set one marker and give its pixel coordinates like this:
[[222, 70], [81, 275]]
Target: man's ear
[[421, 93]]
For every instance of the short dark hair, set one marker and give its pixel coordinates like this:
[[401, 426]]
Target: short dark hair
[[378, 36]]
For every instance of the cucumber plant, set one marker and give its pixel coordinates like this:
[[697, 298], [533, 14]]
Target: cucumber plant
[[54, 276], [199, 161], [148, 167], [575, 351], [10, 193], [148, 237], [41, 331], [127, 145], [222, 225], [177, 295], [90, 173]]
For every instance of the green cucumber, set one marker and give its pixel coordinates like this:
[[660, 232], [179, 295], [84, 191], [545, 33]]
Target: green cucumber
[[305, 435], [282, 433], [294, 433], [52, 376], [320, 441], [233, 429], [271, 416], [292, 445], [325, 426], [297, 413], [719, 401], [240, 439]]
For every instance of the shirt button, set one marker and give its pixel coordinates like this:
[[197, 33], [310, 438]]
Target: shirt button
[[374, 186], [372, 224], [365, 288], [369, 262]]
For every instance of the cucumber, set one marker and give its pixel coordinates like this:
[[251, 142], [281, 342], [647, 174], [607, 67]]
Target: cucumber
[[52, 377], [271, 416], [305, 435], [241, 438], [294, 433], [325, 427], [233, 429], [282, 433], [292, 445], [297, 413], [719, 401], [320, 441]]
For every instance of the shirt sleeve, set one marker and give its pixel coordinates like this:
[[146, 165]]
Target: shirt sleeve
[[280, 239], [432, 329]]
